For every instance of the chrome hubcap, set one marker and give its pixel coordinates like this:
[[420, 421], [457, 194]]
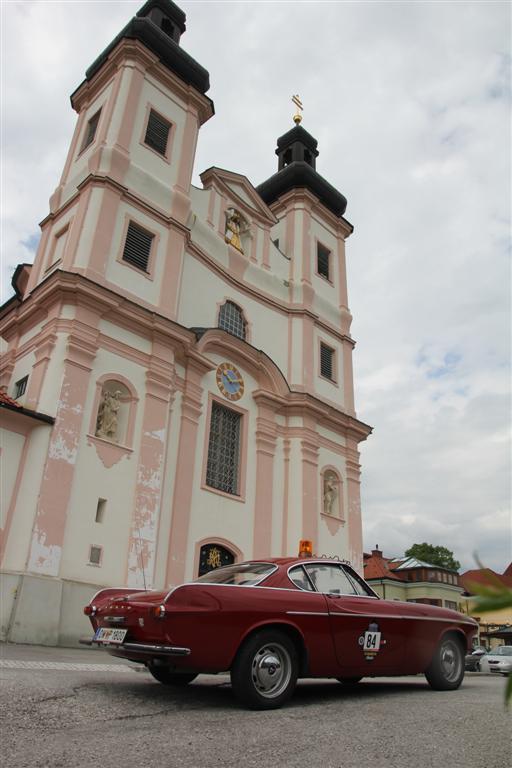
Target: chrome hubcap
[[451, 660], [271, 670]]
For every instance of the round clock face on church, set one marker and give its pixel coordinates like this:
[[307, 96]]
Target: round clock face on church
[[230, 381]]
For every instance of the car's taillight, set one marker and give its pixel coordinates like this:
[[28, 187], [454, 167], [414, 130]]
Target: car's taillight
[[90, 610], [159, 611]]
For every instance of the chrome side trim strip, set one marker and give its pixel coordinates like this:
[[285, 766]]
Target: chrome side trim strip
[[306, 613], [383, 616]]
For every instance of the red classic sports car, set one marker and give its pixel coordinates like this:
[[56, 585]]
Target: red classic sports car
[[271, 622]]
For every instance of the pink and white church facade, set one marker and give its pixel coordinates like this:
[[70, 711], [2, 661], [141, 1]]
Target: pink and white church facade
[[178, 361]]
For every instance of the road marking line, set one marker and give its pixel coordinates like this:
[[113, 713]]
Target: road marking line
[[64, 666]]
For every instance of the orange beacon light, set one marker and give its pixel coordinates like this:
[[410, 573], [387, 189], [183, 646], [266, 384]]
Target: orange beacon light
[[305, 548]]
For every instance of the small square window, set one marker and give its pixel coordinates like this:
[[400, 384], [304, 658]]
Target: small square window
[[100, 510], [326, 362], [137, 246], [323, 261], [157, 132], [20, 387], [95, 555], [90, 131]]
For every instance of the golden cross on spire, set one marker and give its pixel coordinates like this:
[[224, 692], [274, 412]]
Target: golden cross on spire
[[297, 118]]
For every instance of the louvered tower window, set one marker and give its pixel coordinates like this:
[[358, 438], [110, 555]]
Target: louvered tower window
[[90, 132], [231, 319], [157, 132], [223, 467], [326, 361], [137, 246], [322, 261]]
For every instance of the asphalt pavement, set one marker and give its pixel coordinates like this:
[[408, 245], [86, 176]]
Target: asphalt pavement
[[66, 708]]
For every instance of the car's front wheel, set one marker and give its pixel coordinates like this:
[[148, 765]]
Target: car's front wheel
[[165, 676], [446, 670], [264, 673]]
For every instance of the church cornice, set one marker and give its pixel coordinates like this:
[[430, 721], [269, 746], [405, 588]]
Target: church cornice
[[221, 178]]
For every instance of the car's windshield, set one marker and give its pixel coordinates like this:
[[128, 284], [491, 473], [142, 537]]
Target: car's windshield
[[243, 574], [502, 650]]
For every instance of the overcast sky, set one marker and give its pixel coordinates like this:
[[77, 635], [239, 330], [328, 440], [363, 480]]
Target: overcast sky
[[410, 103]]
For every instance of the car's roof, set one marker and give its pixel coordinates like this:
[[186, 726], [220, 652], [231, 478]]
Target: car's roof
[[287, 561]]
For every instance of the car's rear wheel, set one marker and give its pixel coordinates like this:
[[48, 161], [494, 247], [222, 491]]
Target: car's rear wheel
[[165, 676], [446, 670], [264, 673], [349, 680]]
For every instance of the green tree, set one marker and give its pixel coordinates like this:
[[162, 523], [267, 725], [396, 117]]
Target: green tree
[[440, 556]]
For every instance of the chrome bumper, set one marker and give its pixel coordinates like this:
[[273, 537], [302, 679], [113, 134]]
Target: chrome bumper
[[165, 650]]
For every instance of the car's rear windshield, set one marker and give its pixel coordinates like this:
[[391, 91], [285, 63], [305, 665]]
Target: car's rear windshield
[[244, 574]]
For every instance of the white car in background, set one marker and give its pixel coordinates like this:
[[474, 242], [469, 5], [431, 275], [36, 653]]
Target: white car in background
[[499, 660]]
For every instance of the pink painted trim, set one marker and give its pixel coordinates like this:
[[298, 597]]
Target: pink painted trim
[[150, 274], [63, 232], [75, 232], [254, 243], [211, 206], [39, 260], [170, 138], [306, 246], [242, 469], [286, 496], [307, 352], [289, 239], [266, 434], [348, 379], [235, 551], [290, 350], [222, 216], [342, 274], [323, 343], [328, 280], [101, 245], [14, 495], [266, 249], [72, 151]]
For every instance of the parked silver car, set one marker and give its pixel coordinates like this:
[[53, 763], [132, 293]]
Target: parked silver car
[[500, 659]]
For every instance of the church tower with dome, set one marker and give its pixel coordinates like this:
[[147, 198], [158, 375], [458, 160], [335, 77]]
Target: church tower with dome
[[177, 390]]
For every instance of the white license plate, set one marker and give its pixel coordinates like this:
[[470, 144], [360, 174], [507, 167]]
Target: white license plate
[[108, 635]]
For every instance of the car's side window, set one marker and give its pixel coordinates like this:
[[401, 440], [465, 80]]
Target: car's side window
[[330, 579], [299, 578]]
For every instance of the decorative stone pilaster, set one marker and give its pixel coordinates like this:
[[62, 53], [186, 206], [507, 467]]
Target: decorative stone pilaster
[[266, 437], [191, 410], [50, 521], [310, 511], [150, 471], [45, 345], [354, 523]]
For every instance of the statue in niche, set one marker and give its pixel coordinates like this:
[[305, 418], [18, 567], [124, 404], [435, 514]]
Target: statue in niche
[[108, 414], [330, 492], [233, 229]]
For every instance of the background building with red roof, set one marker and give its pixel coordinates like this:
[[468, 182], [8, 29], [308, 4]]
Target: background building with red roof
[[412, 580]]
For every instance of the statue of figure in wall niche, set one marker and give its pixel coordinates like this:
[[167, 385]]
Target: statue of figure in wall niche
[[108, 414], [330, 492], [233, 229]]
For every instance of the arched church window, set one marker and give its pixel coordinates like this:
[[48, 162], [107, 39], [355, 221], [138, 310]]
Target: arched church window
[[231, 319], [213, 556], [332, 494], [115, 412]]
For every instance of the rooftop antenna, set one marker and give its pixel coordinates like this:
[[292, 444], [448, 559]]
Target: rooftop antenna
[[142, 560]]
